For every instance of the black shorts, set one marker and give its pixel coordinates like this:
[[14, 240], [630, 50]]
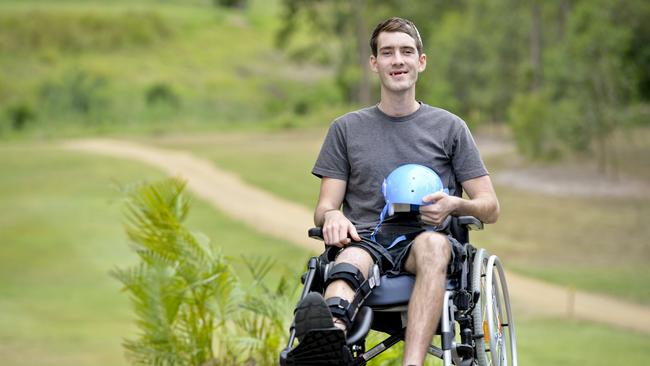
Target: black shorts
[[391, 260]]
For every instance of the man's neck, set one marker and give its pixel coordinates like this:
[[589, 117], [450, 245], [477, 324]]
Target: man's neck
[[398, 105]]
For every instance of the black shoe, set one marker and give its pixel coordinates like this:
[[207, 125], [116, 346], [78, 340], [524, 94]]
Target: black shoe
[[312, 313]]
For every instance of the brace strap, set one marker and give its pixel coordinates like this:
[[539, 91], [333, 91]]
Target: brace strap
[[346, 272], [341, 308]]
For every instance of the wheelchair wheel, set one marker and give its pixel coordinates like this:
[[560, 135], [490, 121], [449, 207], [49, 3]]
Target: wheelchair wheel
[[492, 314]]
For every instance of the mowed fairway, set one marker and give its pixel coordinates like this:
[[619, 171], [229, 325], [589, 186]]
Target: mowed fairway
[[281, 161], [60, 233]]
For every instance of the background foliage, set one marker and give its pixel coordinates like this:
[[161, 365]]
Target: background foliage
[[562, 77]]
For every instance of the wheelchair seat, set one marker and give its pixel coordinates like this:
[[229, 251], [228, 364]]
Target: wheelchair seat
[[396, 290], [393, 290]]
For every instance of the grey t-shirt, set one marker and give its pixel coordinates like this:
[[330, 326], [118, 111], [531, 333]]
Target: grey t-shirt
[[364, 146]]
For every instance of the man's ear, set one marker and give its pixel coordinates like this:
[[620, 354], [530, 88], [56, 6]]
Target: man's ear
[[423, 62], [373, 63]]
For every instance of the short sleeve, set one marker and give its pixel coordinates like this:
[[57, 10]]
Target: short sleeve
[[466, 159], [333, 160]]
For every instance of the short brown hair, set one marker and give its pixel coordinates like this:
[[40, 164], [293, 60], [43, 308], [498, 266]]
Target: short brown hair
[[396, 24]]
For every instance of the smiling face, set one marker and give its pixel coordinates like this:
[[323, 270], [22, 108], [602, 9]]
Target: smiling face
[[397, 62]]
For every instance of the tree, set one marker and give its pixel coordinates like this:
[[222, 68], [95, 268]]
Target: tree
[[476, 59], [330, 26], [597, 77]]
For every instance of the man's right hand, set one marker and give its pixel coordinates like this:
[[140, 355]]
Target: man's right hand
[[338, 231]]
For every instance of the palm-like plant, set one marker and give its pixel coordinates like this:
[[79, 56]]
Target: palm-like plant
[[267, 313], [182, 289], [189, 303]]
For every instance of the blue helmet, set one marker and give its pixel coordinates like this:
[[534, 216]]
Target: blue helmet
[[408, 184]]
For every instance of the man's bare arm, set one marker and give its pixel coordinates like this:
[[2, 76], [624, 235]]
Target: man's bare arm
[[482, 203], [336, 227], [330, 198]]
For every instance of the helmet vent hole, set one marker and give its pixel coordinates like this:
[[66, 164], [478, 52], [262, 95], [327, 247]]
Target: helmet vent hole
[[412, 190]]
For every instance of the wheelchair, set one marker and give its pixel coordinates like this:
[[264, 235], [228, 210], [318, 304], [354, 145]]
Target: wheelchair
[[476, 325]]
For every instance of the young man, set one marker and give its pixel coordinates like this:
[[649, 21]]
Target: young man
[[360, 150]]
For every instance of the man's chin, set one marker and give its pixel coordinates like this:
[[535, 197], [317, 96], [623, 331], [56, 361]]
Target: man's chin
[[398, 88]]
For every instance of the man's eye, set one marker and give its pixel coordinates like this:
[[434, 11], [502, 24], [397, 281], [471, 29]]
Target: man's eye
[[408, 52], [386, 53]]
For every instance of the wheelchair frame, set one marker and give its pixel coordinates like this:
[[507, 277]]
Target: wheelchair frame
[[476, 325]]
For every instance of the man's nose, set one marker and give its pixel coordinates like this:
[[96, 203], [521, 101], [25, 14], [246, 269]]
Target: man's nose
[[398, 59]]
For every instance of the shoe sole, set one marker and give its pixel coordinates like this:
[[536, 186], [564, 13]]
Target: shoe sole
[[312, 313], [321, 347]]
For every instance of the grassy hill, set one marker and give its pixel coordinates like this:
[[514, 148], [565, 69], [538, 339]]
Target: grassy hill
[[74, 67]]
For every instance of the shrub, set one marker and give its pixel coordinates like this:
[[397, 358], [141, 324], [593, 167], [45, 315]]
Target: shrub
[[181, 289], [191, 307], [20, 114], [161, 93], [77, 92], [230, 3], [533, 126]]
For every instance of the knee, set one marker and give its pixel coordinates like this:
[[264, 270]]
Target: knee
[[432, 250], [356, 257]]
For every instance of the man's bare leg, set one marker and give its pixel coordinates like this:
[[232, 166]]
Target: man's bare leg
[[428, 260], [339, 288]]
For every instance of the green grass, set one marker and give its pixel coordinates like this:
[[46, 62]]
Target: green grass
[[600, 245], [595, 244], [61, 233], [573, 343], [550, 341], [221, 65]]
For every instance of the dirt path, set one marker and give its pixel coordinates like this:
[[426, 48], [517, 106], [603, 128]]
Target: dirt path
[[228, 193], [576, 180]]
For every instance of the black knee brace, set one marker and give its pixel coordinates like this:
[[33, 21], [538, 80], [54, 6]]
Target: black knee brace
[[362, 287]]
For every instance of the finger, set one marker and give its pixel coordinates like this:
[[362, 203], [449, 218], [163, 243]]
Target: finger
[[343, 234], [329, 236], [424, 209], [433, 197], [437, 220], [429, 219], [428, 198], [353, 233]]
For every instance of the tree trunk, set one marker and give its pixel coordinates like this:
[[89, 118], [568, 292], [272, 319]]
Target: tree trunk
[[536, 45], [361, 35], [565, 7]]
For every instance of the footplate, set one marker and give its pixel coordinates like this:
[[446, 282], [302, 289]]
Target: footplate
[[320, 347]]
